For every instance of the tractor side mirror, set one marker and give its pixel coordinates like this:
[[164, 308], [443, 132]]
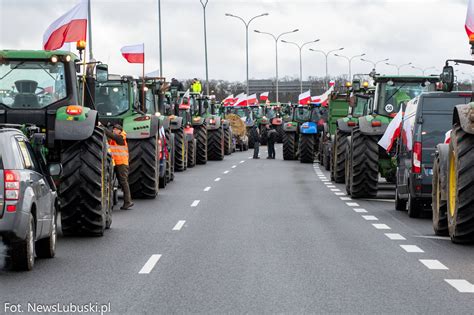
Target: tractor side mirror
[[55, 169], [447, 77], [102, 72]]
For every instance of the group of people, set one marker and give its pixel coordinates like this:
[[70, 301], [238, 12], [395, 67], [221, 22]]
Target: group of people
[[196, 85], [271, 139]]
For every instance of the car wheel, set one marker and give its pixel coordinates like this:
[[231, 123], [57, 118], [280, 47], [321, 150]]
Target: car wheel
[[46, 248], [23, 253]]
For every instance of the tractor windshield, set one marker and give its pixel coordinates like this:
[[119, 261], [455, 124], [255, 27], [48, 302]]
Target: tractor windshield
[[112, 98], [361, 107], [302, 114], [391, 96], [31, 84]]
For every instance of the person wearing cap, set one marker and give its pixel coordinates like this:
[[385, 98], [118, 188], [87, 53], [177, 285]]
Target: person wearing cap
[[119, 149], [196, 87]]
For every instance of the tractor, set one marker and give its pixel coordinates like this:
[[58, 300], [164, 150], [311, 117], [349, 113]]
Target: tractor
[[43, 91], [365, 159], [246, 115]]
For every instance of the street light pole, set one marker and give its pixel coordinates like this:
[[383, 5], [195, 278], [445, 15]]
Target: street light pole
[[246, 39], [374, 64], [326, 54], [423, 71], [276, 38], [349, 59], [159, 38], [204, 5], [300, 47], [399, 66]]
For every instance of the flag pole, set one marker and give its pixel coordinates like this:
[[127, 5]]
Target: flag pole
[[89, 25], [143, 82]]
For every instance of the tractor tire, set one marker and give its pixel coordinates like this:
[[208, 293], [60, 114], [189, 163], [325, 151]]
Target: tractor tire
[[171, 153], [439, 206], [289, 146], [280, 133], [192, 147], [364, 165], [460, 186], [201, 148], [144, 174], [326, 157], [215, 145], [82, 192], [227, 141], [348, 168], [179, 151], [306, 145], [339, 160]]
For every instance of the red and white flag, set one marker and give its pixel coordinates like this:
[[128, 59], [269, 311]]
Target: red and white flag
[[252, 99], [229, 100], [264, 96], [304, 98], [392, 132], [332, 83], [70, 27], [241, 100], [470, 19], [323, 98], [134, 53], [447, 136]]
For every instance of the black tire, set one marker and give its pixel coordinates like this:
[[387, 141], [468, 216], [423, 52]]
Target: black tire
[[348, 168], [143, 177], [400, 204], [364, 165], [414, 207], [215, 145], [192, 153], [289, 146], [179, 150], [46, 247], [306, 148], [172, 155], [339, 157], [280, 133], [164, 180], [23, 253], [200, 133], [439, 206], [227, 141], [326, 157], [460, 186], [82, 192]]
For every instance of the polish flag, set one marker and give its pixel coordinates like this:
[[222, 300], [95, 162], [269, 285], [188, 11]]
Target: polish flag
[[323, 98], [70, 27], [264, 96], [182, 105], [447, 137], [241, 101], [304, 98], [332, 83], [134, 53], [229, 100], [392, 132], [470, 20], [252, 99]]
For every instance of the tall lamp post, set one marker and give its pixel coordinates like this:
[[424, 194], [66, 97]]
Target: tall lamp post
[[423, 70], [326, 54], [349, 59], [300, 47], [276, 38], [204, 5], [246, 39], [374, 64], [398, 66], [159, 38]]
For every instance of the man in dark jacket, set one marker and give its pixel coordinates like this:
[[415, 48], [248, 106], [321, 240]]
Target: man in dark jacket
[[271, 135], [255, 134]]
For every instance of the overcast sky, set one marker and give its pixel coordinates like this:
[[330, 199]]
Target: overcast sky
[[424, 32]]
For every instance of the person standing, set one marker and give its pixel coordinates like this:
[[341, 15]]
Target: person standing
[[271, 135], [255, 134], [196, 87], [119, 148]]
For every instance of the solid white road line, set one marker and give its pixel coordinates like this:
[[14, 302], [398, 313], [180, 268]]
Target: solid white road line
[[381, 226], [195, 203], [461, 285], [395, 236], [207, 188], [217, 179], [150, 264], [412, 249], [340, 194], [360, 210], [234, 166], [370, 218], [352, 204], [226, 172], [433, 264], [179, 225], [345, 198]]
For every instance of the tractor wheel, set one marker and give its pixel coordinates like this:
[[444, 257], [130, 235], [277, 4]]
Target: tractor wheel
[[172, 155], [348, 168], [289, 146], [339, 155], [227, 142], [280, 133], [144, 173], [326, 157], [439, 206], [192, 145], [201, 149], [306, 145], [215, 145], [460, 186], [179, 151], [83, 190], [365, 165]]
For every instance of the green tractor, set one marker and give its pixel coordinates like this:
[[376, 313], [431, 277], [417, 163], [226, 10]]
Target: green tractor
[[216, 135], [43, 90], [246, 115], [118, 101], [185, 141], [272, 113], [229, 144], [365, 159]]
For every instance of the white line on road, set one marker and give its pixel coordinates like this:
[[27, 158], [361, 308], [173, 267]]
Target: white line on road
[[234, 166], [461, 285], [242, 161], [340, 194], [179, 225], [249, 157], [226, 172], [345, 198], [335, 189], [412, 249], [395, 236], [444, 238], [370, 218], [150, 264], [381, 226], [331, 186], [433, 264], [324, 180], [195, 203], [217, 179], [352, 204], [360, 210], [207, 188], [327, 183]]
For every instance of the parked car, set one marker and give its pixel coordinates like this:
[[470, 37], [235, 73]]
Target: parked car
[[426, 120], [27, 200]]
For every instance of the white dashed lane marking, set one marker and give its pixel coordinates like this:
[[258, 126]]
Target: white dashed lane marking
[[195, 203], [412, 249], [433, 264], [242, 161], [370, 218], [340, 194], [217, 179], [207, 188], [360, 210], [335, 189], [352, 204], [179, 225], [463, 286], [234, 166], [226, 172], [380, 226], [345, 198], [395, 236], [150, 264], [331, 186]]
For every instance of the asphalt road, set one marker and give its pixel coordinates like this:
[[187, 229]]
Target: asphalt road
[[259, 236]]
